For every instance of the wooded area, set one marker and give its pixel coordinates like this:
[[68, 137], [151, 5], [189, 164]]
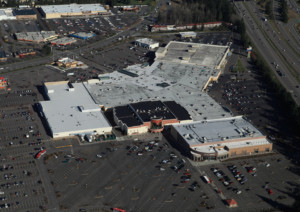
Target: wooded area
[[284, 11], [196, 11]]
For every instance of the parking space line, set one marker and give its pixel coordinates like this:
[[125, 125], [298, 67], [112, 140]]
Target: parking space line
[[57, 147]]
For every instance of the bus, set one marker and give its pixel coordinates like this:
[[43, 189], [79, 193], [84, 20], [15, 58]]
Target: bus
[[40, 154]]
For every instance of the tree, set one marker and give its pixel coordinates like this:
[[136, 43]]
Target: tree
[[194, 27], [202, 27], [192, 11], [46, 50], [284, 11], [268, 9], [12, 3]]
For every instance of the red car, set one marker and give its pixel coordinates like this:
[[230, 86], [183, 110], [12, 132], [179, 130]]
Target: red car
[[270, 191]]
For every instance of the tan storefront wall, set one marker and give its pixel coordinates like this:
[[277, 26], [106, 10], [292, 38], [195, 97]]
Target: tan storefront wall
[[229, 141], [22, 17], [250, 150], [136, 130]]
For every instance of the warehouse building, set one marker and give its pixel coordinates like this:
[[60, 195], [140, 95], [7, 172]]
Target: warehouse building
[[71, 10], [71, 111], [83, 35], [149, 116], [21, 53], [188, 34], [25, 13], [147, 43], [220, 139], [37, 37]]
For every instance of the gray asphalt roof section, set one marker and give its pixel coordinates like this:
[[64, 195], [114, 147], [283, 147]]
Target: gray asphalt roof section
[[186, 83], [193, 53], [217, 130], [24, 12]]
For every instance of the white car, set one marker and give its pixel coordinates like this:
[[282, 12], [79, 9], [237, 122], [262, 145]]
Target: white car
[[99, 156], [239, 192], [267, 165]]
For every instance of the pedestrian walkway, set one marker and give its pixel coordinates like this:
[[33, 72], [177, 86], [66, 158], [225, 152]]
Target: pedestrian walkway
[[203, 163]]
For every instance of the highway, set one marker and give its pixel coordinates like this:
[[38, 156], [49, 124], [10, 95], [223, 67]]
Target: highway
[[280, 38], [259, 31]]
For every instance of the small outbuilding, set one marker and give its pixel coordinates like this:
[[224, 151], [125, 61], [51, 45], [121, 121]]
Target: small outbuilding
[[147, 43], [188, 34]]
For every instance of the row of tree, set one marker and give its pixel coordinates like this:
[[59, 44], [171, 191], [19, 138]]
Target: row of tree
[[239, 27], [284, 11], [196, 11], [269, 9]]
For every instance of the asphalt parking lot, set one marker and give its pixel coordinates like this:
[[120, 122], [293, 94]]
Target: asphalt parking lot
[[119, 56], [246, 93], [128, 176], [100, 25], [272, 184], [21, 138], [101, 176], [16, 26]]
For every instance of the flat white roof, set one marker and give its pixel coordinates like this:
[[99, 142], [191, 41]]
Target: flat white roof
[[188, 33], [35, 36], [147, 41], [7, 14], [223, 130], [72, 8], [66, 60], [71, 111], [193, 53]]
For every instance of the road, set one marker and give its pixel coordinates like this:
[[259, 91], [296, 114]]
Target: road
[[257, 31], [77, 52]]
